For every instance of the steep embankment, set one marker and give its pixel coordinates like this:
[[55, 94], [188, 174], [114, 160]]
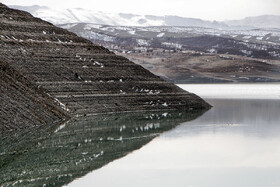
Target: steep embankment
[[22, 104], [82, 77]]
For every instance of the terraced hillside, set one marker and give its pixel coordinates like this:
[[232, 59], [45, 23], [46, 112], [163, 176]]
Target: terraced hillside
[[83, 78], [22, 104]]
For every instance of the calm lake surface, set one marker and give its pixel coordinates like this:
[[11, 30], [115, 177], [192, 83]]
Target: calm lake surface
[[236, 143]]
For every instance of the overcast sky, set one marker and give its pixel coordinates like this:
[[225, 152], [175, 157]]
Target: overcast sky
[[204, 9]]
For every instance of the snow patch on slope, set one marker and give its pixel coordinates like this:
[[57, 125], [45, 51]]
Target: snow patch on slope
[[160, 35]]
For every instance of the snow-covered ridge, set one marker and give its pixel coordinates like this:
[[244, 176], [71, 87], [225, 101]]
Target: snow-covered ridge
[[79, 15], [109, 33]]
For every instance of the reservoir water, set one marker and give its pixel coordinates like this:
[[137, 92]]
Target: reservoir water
[[236, 143]]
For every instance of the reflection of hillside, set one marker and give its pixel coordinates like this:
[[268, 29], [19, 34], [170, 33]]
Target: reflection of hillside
[[248, 117], [57, 155]]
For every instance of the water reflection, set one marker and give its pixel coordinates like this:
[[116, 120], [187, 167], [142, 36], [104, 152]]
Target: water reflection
[[246, 117], [54, 156], [236, 143]]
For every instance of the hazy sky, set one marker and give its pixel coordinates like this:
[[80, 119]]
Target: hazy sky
[[204, 9]]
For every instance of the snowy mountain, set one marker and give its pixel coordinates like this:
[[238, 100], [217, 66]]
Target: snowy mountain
[[260, 43], [78, 15], [266, 21]]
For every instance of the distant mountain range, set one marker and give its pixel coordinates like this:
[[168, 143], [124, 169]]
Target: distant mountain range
[[78, 15], [265, 21]]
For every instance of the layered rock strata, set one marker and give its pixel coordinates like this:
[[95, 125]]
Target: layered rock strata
[[81, 77], [23, 105]]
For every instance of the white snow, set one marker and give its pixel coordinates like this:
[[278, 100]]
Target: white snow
[[142, 42], [98, 64], [60, 128], [164, 114], [61, 105], [122, 92], [160, 35], [132, 32], [96, 36], [173, 45], [78, 15], [247, 37], [246, 52], [95, 62], [99, 154], [212, 50]]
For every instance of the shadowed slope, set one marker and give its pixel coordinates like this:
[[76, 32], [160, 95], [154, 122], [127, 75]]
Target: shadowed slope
[[24, 105]]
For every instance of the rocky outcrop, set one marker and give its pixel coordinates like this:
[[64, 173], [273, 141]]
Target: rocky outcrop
[[81, 77]]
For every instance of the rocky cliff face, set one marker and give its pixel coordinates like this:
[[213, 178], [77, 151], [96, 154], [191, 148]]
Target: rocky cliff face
[[81, 77]]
